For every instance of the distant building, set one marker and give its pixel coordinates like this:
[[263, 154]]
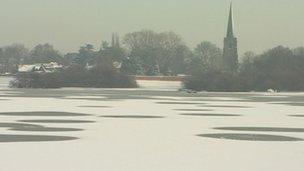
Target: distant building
[[31, 68], [88, 66], [40, 68], [115, 64], [52, 66], [230, 55], [115, 40]]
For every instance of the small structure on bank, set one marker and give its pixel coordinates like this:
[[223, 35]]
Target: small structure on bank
[[40, 68]]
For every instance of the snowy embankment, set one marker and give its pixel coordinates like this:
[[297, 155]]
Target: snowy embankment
[[159, 85], [143, 84], [4, 82]]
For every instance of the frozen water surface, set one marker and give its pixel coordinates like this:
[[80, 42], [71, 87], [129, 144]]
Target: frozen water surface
[[152, 128]]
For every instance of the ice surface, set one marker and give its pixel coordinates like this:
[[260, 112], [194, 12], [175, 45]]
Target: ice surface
[[149, 128]]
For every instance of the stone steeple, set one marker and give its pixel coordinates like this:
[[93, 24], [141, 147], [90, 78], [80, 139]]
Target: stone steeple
[[230, 56], [230, 23]]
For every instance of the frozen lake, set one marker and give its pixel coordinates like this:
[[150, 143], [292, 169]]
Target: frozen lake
[[149, 128]]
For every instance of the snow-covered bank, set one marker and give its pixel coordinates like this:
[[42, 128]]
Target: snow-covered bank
[[4, 82], [143, 84], [159, 85]]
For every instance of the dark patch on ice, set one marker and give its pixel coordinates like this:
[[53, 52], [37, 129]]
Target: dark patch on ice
[[132, 116], [290, 104], [33, 138], [226, 106], [180, 103], [206, 114], [42, 113], [35, 128], [262, 129], [96, 106], [297, 116], [89, 99], [18, 125], [194, 110], [274, 99], [46, 129], [55, 121], [157, 98], [250, 137]]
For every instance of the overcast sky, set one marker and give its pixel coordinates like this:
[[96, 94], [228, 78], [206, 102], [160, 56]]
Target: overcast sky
[[68, 24]]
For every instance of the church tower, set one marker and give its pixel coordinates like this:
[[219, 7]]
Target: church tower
[[230, 55]]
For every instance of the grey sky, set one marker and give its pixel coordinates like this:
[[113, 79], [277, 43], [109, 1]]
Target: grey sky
[[68, 24]]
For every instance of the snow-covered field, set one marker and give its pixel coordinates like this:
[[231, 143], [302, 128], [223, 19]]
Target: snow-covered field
[[80, 129]]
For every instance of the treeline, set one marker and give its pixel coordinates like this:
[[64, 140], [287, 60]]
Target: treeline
[[140, 53], [280, 69], [100, 76], [150, 53], [16, 54]]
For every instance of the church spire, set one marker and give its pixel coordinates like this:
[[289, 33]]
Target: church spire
[[230, 55], [230, 30]]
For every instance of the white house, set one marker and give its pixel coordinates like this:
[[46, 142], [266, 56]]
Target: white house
[[46, 67]]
